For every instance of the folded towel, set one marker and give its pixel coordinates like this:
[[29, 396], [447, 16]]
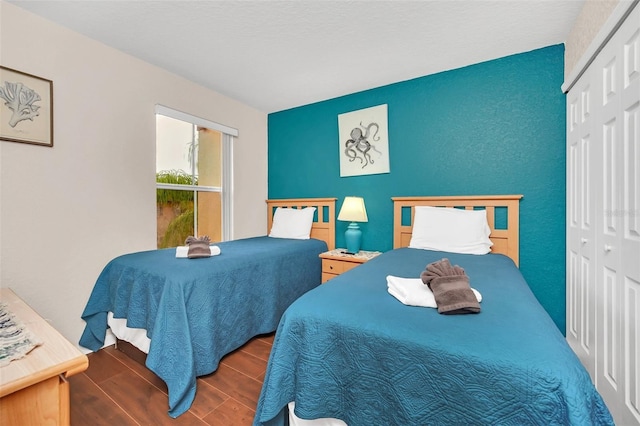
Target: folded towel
[[183, 251], [413, 292], [441, 268], [450, 287], [454, 295]]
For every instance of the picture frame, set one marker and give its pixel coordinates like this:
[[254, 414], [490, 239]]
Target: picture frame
[[364, 141], [26, 108]]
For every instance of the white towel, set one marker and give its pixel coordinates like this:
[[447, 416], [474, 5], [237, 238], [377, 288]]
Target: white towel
[[413, 292], [183, 251]]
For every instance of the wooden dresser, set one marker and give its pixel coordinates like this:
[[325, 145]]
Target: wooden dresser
[[34, 389]]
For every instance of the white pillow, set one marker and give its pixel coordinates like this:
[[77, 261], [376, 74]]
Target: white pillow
[[451, 230], [292, 223]]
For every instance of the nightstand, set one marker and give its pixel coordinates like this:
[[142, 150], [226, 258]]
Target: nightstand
[[335, 262]]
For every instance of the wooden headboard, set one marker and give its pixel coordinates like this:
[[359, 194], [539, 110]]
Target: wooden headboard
[[505, 241], [324, 225]]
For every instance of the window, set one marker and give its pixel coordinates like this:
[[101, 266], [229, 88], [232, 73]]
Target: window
[[193, 178]]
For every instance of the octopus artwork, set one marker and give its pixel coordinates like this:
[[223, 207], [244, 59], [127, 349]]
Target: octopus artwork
[[358, 147], [21, 100], [363, 141]]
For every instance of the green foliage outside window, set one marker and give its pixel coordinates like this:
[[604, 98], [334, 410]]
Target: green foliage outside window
[[177, 177], [181, 202], [178, 231]]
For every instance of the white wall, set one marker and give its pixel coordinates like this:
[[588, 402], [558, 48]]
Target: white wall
[[592, 17], [66, 211]]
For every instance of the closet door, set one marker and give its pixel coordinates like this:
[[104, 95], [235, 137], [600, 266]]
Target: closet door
[[629, 241], [618, 231], [582, 190]]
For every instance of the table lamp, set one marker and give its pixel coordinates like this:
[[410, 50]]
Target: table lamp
[[353, 211]]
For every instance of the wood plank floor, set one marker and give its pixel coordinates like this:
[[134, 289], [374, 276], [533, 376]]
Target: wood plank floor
[[116, 390]]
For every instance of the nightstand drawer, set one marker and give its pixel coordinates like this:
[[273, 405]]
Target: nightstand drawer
[[326, 277], [331, 266], [349, 265]]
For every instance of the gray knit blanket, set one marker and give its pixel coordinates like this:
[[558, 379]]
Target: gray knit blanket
[[15, 339]]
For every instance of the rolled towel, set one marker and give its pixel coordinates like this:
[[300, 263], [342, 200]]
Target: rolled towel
[[183, 251], [450, 287], [413, 292], [198, 247]]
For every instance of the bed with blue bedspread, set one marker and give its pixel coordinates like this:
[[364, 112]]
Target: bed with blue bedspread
[[349, 350], [195, 311]]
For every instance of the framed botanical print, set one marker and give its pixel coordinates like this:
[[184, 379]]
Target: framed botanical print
[[26, 108]]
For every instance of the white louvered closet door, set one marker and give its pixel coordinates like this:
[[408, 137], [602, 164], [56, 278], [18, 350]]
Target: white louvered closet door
[[581, 202], [629, 242], [618, 246], [603, 220]]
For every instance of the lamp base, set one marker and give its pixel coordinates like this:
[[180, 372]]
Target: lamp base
[[353, 238]]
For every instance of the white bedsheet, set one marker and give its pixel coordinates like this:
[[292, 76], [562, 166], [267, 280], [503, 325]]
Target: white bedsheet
[[297, 421], [138, 338]]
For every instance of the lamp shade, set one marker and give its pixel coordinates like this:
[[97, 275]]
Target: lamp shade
[[353, 210]]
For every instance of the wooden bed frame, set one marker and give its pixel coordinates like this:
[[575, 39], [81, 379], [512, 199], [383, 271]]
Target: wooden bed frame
[[323, 227], [505, 241]]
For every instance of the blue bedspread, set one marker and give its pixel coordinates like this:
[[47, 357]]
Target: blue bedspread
[[350, 350], [196, 311]]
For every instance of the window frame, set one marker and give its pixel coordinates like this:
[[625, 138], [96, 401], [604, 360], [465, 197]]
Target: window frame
[[228, 135]]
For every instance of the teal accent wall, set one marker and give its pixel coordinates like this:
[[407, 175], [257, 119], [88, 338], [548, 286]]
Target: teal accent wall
[[497, 127]]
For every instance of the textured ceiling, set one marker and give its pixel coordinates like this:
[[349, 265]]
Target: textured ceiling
[[275, 55]]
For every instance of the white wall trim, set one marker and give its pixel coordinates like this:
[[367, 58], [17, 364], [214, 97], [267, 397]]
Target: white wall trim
[[190, 118], [227, 185], [179, 187], [609, 28]]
